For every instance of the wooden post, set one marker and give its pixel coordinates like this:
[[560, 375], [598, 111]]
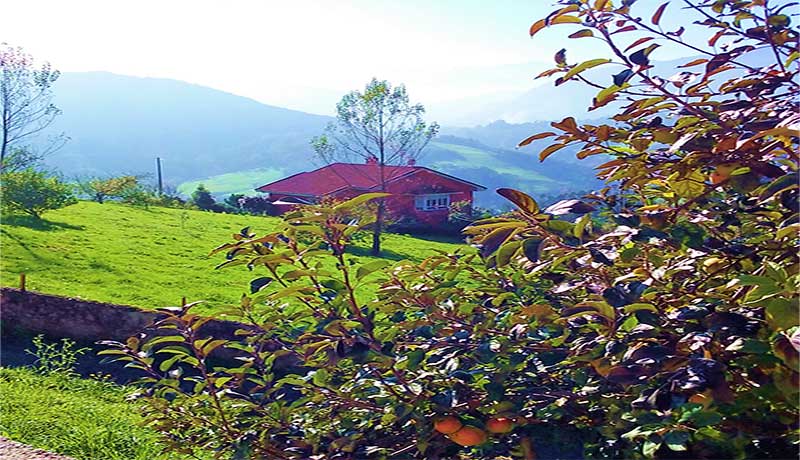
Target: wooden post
[[160, 184], [22, 282], [183, 301]]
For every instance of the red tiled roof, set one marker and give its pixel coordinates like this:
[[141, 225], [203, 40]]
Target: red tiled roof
[[339, 176]]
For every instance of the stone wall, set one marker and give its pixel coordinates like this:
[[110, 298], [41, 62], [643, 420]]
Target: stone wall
[[84, 320]]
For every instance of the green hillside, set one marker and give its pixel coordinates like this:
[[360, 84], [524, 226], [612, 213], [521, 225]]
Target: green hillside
[[243, 182], [144, 257]]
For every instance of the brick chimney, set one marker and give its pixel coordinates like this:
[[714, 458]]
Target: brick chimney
[[411, 161], [372, 160]]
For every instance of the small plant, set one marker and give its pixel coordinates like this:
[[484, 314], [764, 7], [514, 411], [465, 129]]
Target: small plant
[[55, 357]]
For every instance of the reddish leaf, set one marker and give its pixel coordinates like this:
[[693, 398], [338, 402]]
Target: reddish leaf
[[657, 16], [568, 124], [549, 72], [603, 132], [713, 40], [522, 200], [694, 63], [638, 42], [582, 33], [535, 137], [550, 150], [678, 32], [624, 29]]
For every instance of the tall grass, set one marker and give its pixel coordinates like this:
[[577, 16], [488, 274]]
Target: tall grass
[[82, 418]]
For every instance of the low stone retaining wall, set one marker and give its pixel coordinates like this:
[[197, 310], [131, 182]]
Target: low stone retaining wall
[[84, 320]]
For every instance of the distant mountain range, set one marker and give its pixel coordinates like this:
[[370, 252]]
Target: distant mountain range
[[120, 124]]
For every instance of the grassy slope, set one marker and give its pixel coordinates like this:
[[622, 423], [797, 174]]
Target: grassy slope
[[85, 419], [144, 257], [476, 158], [243, 182]]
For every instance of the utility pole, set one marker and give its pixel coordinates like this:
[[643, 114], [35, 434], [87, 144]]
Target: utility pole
[[160, 184]]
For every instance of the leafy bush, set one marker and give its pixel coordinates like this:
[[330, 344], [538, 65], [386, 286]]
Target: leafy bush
[[33, 192], [667, 327], [202, 198]]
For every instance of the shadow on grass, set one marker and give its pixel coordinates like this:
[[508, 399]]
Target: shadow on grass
[[21, 244], [39, 224], [385, 254]]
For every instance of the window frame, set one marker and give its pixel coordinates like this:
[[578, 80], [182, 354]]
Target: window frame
[[440, 202]]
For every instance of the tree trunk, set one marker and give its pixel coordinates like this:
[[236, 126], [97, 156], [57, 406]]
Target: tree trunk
[[376, 232]]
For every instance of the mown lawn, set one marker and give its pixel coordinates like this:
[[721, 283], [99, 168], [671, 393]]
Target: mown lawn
[[145, 257], [82, 418]]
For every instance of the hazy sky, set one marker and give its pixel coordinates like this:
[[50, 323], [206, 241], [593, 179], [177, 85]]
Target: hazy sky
[[301, 53]]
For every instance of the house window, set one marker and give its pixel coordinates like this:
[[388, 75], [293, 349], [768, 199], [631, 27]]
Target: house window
[[434, 202]]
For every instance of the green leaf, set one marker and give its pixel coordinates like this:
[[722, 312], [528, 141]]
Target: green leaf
[[782, 313], [506, 252], [213, 345], [371, 267], [752, 280], [650, 447], [360, 199], [676, 440], [167, 363], [639, 306], [580, 68], [321, 377], [415, 358], [580, 225]]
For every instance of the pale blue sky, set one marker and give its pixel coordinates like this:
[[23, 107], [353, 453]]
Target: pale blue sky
[[305, 53]]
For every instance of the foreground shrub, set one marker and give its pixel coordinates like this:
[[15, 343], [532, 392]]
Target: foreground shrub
[[662, 321]]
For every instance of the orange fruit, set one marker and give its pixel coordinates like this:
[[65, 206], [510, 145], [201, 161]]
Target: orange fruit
[[499, 425], [447, 424], [469, 436]]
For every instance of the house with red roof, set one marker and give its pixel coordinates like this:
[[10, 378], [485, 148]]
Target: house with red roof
[[418, 194]]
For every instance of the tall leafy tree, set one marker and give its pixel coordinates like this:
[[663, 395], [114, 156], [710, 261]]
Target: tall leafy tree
[[380, 125], [26, 107]]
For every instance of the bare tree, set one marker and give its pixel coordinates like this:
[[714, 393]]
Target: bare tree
[[380, 126], [25, 106]]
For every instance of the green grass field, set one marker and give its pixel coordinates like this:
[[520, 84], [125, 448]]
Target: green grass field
[[145, 257], [85, 419], [243, 182]]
